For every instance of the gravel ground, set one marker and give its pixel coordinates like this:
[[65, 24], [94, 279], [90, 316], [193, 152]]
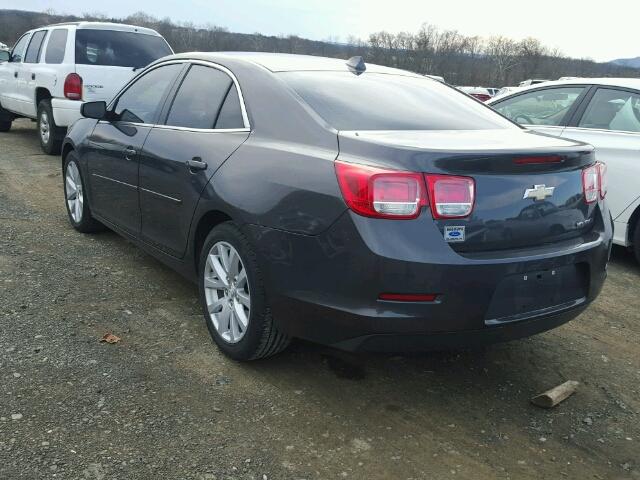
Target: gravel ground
[[163, 403]]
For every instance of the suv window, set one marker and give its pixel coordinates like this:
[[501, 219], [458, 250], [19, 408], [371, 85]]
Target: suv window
[[118, 49], [378, 101], [206, 99], [613, 110], [18, 49], [33, 51], [540, 107], [56, 46], [142, 100]]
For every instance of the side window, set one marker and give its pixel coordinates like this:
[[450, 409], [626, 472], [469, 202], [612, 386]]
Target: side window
[[613, 110], [201, 98], [56, 46], [33, 50], [142, 100], [541, 107], [18, 49], [230, 113]]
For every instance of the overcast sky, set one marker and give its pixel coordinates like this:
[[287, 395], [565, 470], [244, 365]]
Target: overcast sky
[[599, 30]]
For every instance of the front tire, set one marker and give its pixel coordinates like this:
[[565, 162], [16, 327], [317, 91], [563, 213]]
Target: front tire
[[6, 119], [76, 199], [50, 135], [233, 297], [636, 241]]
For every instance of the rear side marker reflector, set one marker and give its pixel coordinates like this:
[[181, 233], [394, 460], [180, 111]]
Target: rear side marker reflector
[[408, 297]]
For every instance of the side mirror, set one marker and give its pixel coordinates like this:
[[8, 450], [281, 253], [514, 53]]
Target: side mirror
[[4, 56], [96, 110]]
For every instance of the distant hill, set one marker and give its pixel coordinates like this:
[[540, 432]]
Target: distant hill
[[627, 62], [461, 60]]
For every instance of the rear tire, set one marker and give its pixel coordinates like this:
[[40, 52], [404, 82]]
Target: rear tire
[[49, 133], [76, 199], [236, 291], [636, 241]]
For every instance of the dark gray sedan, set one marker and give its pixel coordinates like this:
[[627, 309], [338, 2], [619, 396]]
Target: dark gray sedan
[[349, 204]]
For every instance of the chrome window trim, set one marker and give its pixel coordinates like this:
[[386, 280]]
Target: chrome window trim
[[243, 108]]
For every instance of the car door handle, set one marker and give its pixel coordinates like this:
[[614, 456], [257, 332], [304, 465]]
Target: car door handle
[[196, 164], [129, 153], [33, 76], [15, 74]]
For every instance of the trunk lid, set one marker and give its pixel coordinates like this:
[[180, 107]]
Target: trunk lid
[[519, 202]]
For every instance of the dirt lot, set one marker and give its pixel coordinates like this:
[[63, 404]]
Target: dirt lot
[[164, 404]]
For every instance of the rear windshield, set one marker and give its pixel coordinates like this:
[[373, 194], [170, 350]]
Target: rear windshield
[[376, 101], [118, 49]]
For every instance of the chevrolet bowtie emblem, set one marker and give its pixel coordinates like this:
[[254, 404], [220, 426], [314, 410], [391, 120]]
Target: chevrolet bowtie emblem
[[538, 192]]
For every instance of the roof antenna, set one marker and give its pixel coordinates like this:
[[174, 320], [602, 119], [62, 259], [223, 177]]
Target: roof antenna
[[356, 65]]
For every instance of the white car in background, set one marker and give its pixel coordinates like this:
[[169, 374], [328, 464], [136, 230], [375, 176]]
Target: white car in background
[[53, 69], [603, 112]]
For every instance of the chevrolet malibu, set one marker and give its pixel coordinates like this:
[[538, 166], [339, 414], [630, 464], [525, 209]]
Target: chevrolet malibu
[[349, 204]]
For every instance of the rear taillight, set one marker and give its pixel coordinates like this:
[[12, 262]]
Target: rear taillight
[[602, 179], [73, 87], [590, 183], [380, 193], [450, 196], [483, 97]]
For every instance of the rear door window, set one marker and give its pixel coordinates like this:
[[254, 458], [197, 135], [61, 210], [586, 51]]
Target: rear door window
[[548, 106], [56, 46], [33, 51], [17, 54], [144, 98], [207, 99], [611, 109], [118, 49]]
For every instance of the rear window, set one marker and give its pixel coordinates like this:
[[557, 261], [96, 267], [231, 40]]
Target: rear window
[[118, 49], [375, 101]]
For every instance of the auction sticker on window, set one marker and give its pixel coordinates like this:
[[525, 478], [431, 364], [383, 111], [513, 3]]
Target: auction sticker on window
[[454, 234]]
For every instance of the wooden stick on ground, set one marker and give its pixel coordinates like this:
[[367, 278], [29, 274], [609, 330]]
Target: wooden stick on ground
[[553, 397]]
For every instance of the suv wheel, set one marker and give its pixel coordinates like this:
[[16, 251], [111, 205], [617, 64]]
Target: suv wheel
[[76, 198], [5, 120], [50, 134], [233, 297], [636, 241]]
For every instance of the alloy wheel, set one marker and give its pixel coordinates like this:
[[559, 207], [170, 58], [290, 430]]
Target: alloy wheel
[[45, 128], [73, 191], [227, 294]]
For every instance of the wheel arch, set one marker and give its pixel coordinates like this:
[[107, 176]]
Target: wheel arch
[[42, 93], [67, 148], [206, 223], [633, 222]]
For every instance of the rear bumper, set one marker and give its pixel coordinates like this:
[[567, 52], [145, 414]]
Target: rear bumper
[[325, 288], [65, 112]]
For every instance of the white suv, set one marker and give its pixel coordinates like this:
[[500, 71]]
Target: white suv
[[53, 69]]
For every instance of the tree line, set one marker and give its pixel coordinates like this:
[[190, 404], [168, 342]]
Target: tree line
[[460, 59]]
